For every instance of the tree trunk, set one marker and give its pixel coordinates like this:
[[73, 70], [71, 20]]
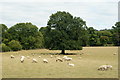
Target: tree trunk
[[63, 52]]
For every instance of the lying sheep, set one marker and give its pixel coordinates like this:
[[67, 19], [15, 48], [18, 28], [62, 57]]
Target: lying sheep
[[12, 56], [105, 67], [70, 64], [22, 59], [34, 60], [45, 60], [59, 59], [102, 68]]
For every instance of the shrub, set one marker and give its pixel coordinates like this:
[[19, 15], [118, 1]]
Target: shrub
[[4, 48], [15, 45]]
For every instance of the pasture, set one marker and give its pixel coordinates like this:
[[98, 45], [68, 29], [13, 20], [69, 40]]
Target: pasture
[[85, 67]]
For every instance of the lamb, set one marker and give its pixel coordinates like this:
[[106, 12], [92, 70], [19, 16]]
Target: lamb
[[34, 60], [22, 59], [45, 60], [12, 56], [70, 64], [59, 59]]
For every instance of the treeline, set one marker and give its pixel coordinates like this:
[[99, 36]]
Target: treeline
[[63, 32]]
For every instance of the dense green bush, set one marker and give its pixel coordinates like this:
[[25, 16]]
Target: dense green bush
[[15, 45], [4, 48]]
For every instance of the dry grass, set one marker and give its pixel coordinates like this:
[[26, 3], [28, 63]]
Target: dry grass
[[86, 67]]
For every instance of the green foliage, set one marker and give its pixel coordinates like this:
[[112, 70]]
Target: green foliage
[[4, 48], [104, 40], [116, 34], [15, 45], [64, 31], [27, 34]]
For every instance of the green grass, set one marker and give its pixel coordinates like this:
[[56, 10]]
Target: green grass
[[86, 67]]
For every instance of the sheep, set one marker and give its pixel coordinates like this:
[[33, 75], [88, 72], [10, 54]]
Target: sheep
[[51, 56], [102, 67], [45, 60], [12, 56], [70, 64], [22, 59], [68, 59], [59, 59], [34, 60]]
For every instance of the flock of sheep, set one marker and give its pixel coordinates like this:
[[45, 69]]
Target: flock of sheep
[[58, 59], [64, 58]]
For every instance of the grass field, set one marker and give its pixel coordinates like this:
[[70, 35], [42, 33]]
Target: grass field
[[86, 67]]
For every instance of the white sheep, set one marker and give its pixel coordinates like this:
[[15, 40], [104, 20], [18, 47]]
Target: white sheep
[[59, 59], [34, 60], [70, 64], [22, 59], [51, 56], [67, 59], [45, 60], [103, 67], [12, 56]]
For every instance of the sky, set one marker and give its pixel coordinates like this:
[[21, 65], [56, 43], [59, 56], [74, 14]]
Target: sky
[[100, 14]]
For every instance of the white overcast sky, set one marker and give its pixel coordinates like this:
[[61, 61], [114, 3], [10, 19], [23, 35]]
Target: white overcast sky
[[99, 14]]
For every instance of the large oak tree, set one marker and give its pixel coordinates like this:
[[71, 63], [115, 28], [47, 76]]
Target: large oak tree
[[65, 32]]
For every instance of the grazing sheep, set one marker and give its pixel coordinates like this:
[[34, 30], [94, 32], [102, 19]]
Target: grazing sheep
[[12, 56], [22, 59], [45, 60], [70, 64], [34, 60], [59, 59]]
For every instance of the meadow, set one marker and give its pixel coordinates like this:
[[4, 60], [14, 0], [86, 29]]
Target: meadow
[[85, 67]]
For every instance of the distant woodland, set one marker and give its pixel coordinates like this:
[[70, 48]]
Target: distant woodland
[[63, 32]]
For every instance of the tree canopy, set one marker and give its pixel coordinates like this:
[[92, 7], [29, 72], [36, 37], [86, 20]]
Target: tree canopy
[[65, 31]]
